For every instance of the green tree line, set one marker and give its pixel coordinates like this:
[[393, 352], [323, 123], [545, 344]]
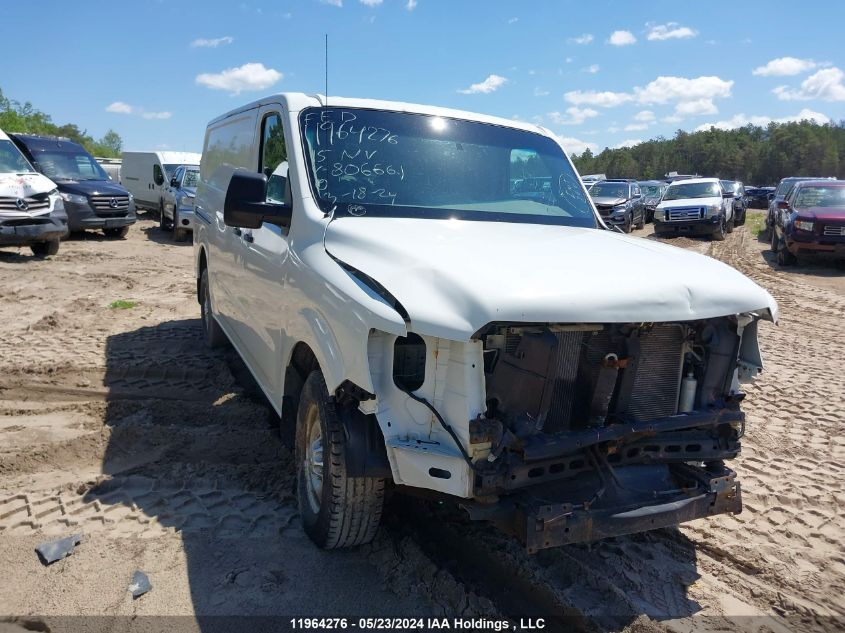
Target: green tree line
[[755, 155], [23, 117]]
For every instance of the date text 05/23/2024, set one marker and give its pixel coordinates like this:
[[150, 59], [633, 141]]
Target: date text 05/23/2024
[[416, 624]]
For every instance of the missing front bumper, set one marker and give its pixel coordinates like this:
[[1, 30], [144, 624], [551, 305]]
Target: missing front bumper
[[637, 499]]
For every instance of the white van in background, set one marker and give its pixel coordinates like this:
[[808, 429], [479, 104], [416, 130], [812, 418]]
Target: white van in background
[[147, 175]]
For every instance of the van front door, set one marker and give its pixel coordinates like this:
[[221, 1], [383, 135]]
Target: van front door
[[265, 256]]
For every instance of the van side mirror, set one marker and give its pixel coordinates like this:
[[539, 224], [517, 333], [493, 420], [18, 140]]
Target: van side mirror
[[246, 203], [174, 182]]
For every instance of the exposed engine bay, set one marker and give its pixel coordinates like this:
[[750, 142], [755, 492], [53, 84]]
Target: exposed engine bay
[[593, 430]]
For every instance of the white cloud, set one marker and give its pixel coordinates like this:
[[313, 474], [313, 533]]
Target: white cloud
[[252, 76], [692, 96], [669, 31], [741, 120], [604, 99], [569, 60], [592, 69], [576, 146], [628, 143], [672, 118], [412, 4], [697, 107], [120, 107], [212, 43], [334, 3], [622, 38], [371, 3], [644, 115], [574, 116], [513, 20], [636, 127], [584, 38], [826, 84], [492, 83], [784, 67], [672, 89], [540, 92]]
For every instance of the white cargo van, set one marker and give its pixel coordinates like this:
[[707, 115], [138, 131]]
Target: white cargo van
[[31, 210], [147, 175], [426, 323]]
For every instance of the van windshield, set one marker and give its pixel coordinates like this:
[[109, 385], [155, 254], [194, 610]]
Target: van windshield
[[12, 161], [70, 164], [392, 164], [693, 190]]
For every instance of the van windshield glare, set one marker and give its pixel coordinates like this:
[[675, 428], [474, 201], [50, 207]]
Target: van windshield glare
[[391, 164], [69, 165], [12, 161]]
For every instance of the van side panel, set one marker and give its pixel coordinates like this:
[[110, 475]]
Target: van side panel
[[229, 145]]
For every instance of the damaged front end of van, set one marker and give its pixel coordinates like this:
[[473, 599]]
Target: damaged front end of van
[[559, 430]]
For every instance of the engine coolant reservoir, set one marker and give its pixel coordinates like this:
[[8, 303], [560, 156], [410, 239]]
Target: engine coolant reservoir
[[688, 387]]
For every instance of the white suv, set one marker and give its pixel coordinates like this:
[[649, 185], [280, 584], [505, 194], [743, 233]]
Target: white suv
[[425, 321], [699, 206]]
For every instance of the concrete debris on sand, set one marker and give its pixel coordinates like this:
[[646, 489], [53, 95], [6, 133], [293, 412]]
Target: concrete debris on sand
[[52, 551], [140, 584]]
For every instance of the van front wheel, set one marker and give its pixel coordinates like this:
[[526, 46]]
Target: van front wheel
[[337, 510], [215, 337]]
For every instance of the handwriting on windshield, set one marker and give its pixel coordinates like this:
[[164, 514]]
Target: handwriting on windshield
[[353, 160]]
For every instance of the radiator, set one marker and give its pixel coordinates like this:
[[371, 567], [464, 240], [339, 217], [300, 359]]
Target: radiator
[[574, 367]]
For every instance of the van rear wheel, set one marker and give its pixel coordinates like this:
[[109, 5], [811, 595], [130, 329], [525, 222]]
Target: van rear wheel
[[337, 510]]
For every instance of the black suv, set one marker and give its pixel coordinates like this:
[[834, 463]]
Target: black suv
[[620, 203], [740, 199], [92, 200]]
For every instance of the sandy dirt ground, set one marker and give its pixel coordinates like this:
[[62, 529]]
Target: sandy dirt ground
[[117, 424]]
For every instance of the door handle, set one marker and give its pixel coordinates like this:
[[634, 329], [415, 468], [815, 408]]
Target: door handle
[[248, 238], [238, 232]]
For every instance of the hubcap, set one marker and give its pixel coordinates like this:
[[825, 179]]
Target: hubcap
[[313, 462]]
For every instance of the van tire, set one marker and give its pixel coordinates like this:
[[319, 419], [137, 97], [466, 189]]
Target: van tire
[[215, 337], [117, 233], [345, 511], [45, 249]]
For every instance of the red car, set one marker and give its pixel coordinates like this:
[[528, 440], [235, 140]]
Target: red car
[[811, 220]]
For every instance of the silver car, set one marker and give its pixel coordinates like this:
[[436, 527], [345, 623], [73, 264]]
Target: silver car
[[178, 213]]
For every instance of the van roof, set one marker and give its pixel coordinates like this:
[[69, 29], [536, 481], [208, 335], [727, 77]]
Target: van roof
[[298, 101], [36, 143]]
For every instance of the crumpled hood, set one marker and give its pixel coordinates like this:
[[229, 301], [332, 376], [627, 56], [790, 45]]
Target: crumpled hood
[[24, 185], [690, 202], [608, 202], [454, 276]]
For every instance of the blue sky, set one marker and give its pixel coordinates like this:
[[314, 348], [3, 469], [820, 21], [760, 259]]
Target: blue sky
[[598, 74]]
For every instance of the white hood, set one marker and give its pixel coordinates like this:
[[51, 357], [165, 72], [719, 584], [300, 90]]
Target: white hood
[[691, 202], [23, 186], [455, 276]]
